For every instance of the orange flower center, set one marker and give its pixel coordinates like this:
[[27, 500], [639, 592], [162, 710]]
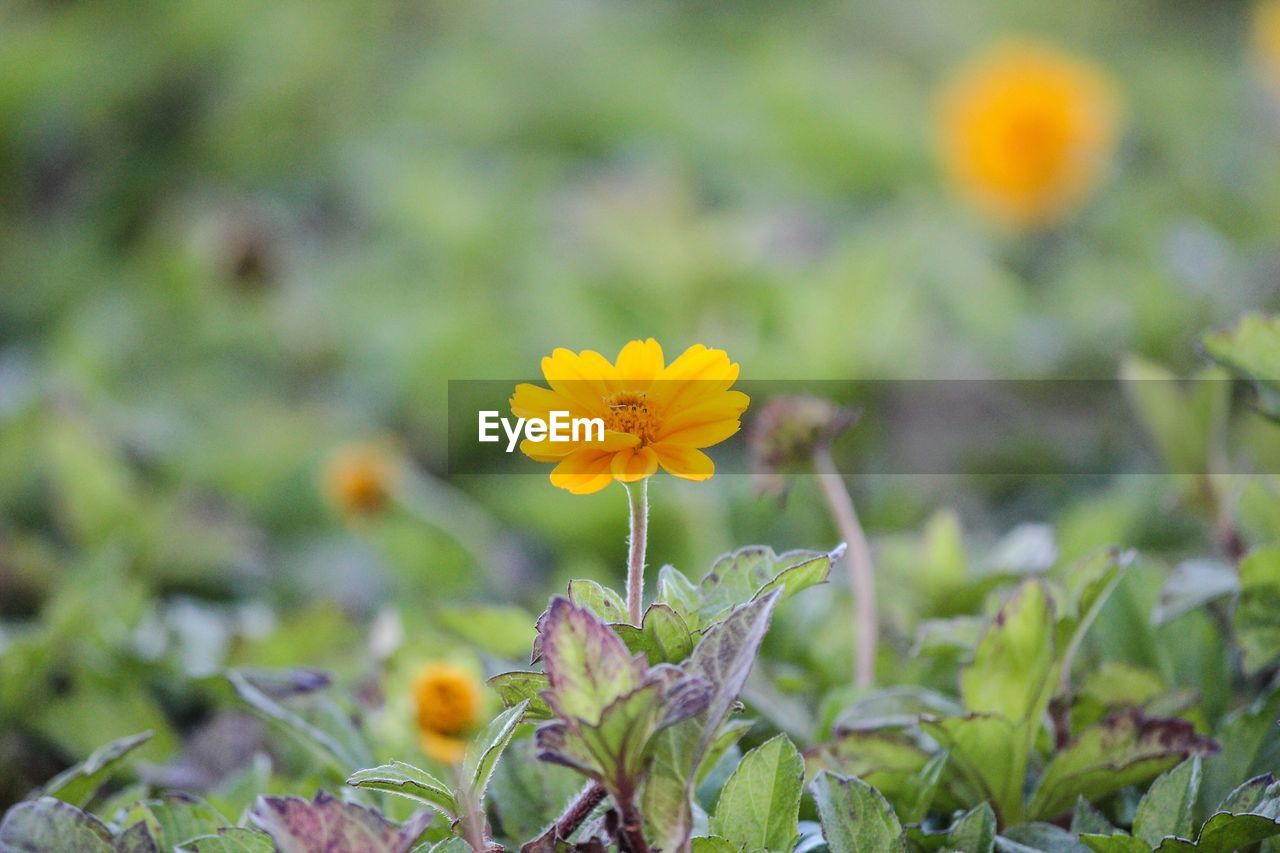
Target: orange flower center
[[447, 700], [630, 412]]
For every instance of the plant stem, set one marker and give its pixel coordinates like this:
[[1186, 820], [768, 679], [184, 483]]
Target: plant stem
[[631, 829], [638, 500], [578, 811], [858, 559]]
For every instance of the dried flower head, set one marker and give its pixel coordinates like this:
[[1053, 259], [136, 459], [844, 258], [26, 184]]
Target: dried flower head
[[787, 432], [360, 478], [1026, 132], [654, 414], [447, 703]]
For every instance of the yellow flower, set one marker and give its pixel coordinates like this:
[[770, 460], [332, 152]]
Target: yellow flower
[[1026, 131], [359, 478], [1266, 42], [447, 700], [655, 414]]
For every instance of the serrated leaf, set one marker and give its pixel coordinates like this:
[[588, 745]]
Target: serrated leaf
[[723, 658], [1227, 832], [1167, 807], [664, 637], [516, 687], [760, 803], [1122, 750], [484, 751], [588, 666], [51, 824], [713, 844], [855, 817], [232, 839], [77, 784], [408, 781], [753, 572], [974, 831], [606, 604], [327, 823], [891, 759]]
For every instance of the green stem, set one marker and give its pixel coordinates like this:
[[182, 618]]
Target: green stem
[[638, 500]]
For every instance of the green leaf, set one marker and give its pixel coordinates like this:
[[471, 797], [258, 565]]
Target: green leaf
[[1167, 807], [890, 759], [1249, 747], [588, 666], [137, 838], [1116, 842], [514, 688], [1012, 674], [1186, 420], [484, 751], [408, 781], [1251, 349], [1086, 820], [713, 844], [974, 832], [529, 794], [1228, 832], [606, 604], [232, 839], [504, 631], [50, 824], [77, 784], [755, 571], [1088, 583], [723, 658], [329, 750], [664, 637], [176, 819], [1038, 836], [855, 817], [985, 754], [327, 823], [1123, 750], [760, 804], [1257, 614]]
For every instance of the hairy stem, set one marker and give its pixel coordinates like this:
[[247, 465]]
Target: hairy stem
[[631, 825], [638, 500], [578, 810], [858, 559]]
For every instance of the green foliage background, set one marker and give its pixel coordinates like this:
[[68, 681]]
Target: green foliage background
[[236, 236]]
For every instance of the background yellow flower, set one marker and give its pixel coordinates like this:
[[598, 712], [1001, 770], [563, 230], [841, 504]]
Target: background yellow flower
[[655, 414], [1266, 42], [447, 705], [359, 478], [1026, 131]]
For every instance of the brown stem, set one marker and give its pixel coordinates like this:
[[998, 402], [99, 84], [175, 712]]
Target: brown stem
[[858, 559], [567, 824], [638, 499], [631, 825]]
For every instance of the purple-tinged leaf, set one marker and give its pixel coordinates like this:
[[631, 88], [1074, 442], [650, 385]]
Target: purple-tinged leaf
[[588, 666], [50, 824], [327, 823]]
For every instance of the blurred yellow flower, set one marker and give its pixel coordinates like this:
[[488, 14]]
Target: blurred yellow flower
[[1266, 42], [1026, 131], [447, 700], [359, 478], [654, 414]]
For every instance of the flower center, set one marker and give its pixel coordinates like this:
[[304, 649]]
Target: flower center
[[447, 702], [630, 412]]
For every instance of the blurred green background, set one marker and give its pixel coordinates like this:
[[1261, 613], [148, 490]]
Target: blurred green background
[[235, 237]]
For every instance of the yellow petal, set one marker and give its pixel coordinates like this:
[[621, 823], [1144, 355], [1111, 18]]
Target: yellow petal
[[639, 363], [584, 471], [631, 465], [443, 748], [685, 462], [532, 401], [586, 378], [698, 372], [724, 405], [704, 435]]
